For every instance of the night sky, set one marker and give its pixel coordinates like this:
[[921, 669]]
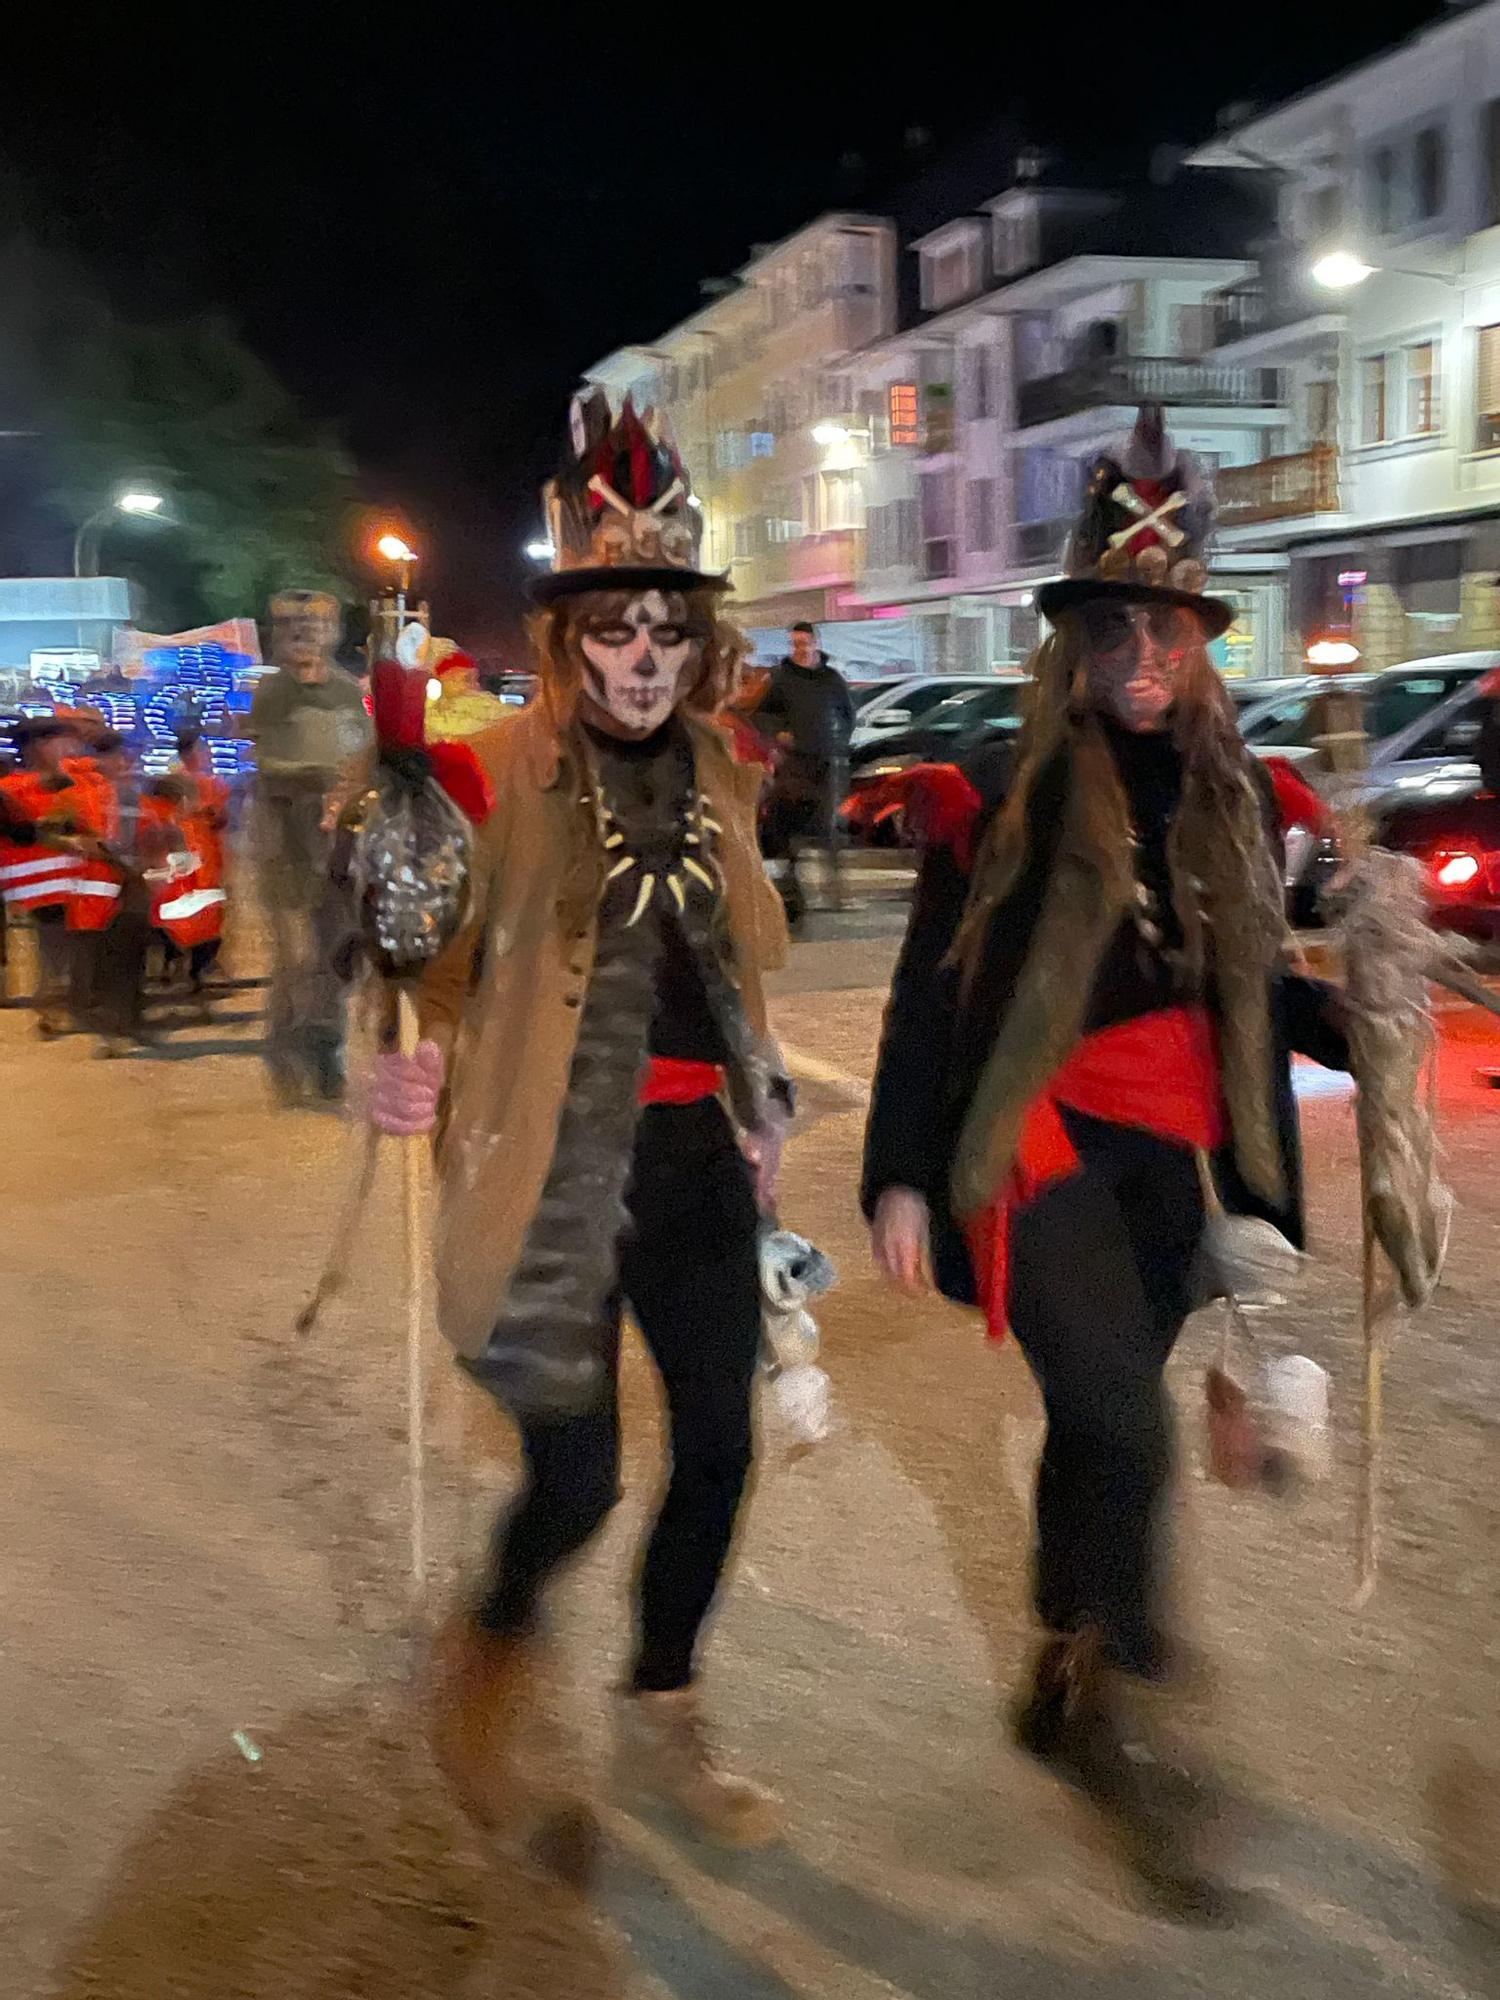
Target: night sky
[[430, 231]]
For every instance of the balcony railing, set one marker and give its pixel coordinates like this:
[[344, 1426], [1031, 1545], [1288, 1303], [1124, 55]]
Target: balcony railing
[[1276, 489], [1143, 378], [1253, 306], [826, 559]]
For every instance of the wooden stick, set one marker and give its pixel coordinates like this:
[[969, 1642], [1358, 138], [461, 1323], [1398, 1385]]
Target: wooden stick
[[1368, 1529], [413, 1152], [335, 1271]]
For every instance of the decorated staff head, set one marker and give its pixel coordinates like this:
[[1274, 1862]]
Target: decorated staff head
[[406, 843], [629, 628], [1131, 606]]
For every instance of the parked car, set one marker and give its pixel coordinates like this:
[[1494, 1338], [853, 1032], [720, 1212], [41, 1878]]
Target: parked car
[[905, 703], [1401, 707]]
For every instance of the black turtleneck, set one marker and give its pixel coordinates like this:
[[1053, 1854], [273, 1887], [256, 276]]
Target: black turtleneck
[[683, 1025], [1136, 975]]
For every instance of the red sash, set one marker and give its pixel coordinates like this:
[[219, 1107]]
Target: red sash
[[1158, 1073], [671, 1080]]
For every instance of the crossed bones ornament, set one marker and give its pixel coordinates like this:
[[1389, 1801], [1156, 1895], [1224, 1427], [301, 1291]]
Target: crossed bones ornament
[[1149, 519]]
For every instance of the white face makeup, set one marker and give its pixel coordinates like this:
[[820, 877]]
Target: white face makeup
[[1136, 658], [638, 657]]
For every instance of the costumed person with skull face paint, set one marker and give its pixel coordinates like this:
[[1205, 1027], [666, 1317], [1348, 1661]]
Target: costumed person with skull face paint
[[1091, 1002], [599, 1035]]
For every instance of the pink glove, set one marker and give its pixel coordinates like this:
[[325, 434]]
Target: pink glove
[[404, 1101]]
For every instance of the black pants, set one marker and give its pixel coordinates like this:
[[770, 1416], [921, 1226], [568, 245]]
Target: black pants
[[690, 1273], [802, 815], [119, 972], [1101, 1282]]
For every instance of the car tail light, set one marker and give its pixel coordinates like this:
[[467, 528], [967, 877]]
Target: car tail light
[[1465, 871]]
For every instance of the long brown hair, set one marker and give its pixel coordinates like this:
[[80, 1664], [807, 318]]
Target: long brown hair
[[1224, 877]]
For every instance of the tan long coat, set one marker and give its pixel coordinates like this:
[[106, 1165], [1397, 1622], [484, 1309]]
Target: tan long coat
[[504, 1000]]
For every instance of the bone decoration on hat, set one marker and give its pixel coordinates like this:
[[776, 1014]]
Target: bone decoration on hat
[[621, 509], [1147, 513]]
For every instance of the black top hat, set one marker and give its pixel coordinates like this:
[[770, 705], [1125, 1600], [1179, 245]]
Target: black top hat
[[620, 510], [1140, 539]]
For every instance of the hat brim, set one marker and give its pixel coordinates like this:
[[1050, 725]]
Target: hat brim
[[573, 582], [1214, 614]]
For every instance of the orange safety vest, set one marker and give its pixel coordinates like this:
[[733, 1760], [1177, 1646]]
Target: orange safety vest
[[190, 905], [97, 885], [33, 876]]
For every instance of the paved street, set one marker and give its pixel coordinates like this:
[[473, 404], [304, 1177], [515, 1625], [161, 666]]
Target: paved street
[[203, 1526]]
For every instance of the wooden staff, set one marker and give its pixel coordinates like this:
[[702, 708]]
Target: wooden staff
[[413, 1165]]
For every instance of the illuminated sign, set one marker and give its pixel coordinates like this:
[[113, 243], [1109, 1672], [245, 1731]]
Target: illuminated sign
[[906, 425]]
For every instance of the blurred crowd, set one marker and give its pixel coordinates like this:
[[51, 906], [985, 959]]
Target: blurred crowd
[[122, 877]]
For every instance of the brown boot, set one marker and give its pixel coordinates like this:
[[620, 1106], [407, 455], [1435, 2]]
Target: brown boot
[[663, 1753], [479, 1686], [1080, 1717]]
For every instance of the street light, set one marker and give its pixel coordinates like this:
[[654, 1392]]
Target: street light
[[541, 550], [136, 500], [1342, 270], [828, 434], [395, 549]]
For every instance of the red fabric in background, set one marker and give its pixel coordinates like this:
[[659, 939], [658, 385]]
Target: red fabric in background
[[1158, 1073]]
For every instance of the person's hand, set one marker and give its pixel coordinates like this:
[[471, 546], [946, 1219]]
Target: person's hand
[[763, 1148], [404, 1101], [901, 1239]]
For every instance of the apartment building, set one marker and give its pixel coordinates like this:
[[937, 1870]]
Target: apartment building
[[1379, 490], [1040, 321], [758, 390]]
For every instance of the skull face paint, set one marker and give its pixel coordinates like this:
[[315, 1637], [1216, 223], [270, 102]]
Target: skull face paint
[[1136, 657], [638, 656]]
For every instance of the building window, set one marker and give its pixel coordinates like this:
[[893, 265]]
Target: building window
[[1190, 335], [1488, 434], [947, 276], [980, 516], [1431, 173], [809, 284], [936, 490], [812, 515], [762, 444], [905, 421], [1421, 389], [744, 540], [937, 416], [979, 382], [1400, 394], [1428, 582], [1382, 175], [1372, 399], [840, 500], [1324, 212]]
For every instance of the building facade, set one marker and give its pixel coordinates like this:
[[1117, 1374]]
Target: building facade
[[1043, 321], [758, 390], [1379, 491]]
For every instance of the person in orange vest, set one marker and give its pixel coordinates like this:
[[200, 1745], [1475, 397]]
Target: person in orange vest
[[189, 909], [37, 875], [127, 846]]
